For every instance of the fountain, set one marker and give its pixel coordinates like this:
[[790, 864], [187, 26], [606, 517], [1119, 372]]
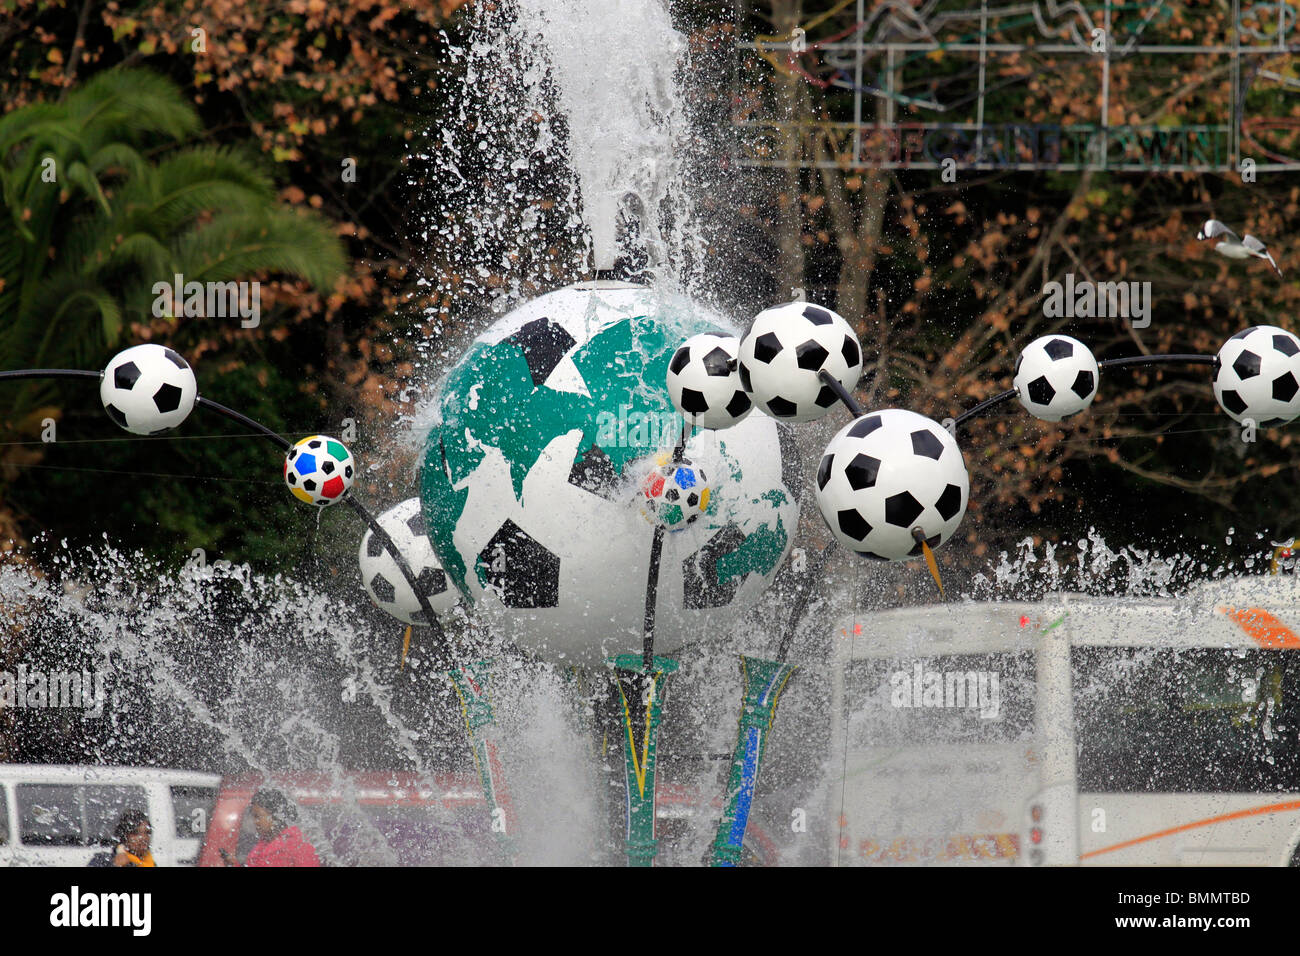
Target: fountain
[[607, 561]]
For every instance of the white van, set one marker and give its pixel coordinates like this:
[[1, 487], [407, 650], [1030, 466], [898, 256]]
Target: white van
[[1113, 731], [62, 816]]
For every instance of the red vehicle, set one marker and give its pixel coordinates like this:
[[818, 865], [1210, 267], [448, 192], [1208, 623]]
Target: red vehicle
[[403, 819]]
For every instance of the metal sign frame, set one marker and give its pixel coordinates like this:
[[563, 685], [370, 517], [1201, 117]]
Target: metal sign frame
[[894, 34]]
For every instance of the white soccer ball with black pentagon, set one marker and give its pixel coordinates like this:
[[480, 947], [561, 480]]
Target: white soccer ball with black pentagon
[[1056, 377], [704, 381], [1257, 376], [386, 584], [889, 472], [148, 389], [786, 348]]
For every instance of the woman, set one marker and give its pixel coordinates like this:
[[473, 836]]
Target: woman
[[133, 835], [278, 843]]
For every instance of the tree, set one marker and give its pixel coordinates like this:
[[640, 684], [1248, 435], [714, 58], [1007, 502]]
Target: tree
[[946, 280], [80, 177], [103, 201]]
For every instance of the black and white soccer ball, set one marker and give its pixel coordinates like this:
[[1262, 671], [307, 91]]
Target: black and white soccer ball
[[885, 474], [148, 389], [786, 348], [1257, 376], [381, 578], [1056, 377], [704, 381]]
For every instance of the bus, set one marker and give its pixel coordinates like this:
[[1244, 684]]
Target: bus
[[1072, 730]]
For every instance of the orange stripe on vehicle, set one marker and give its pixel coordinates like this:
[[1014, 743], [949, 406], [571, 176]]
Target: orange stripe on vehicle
[[1236, 815], [1263, 628]]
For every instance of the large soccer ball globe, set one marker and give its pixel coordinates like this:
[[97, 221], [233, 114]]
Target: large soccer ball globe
[[319, 470], [1257, 376], [886, 473], [1056, 377], [538, 439], [148, 389], [704, 381], [786, 348], [386, 585]]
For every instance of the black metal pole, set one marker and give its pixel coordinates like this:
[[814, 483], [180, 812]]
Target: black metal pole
[[1129, 361], [984, 406], [279, 441], [652, 576], [1158, 360], [841, 392], [651, 599], [48, 373]]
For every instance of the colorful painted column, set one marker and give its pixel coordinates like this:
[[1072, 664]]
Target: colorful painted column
[[640, 697], [471, 684], [764, 681]]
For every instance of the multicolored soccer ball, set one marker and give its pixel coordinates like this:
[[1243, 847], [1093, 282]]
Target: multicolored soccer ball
[[675, 493], [148, 389], [319, 470]]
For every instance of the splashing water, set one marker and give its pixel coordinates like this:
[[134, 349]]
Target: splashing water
[[568, 110], [614, 64], [567, 107]]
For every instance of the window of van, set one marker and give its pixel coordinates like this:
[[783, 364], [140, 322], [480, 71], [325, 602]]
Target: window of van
[[1186, 720], [4, 817], [73, 814], [953, 698], [192, 809]]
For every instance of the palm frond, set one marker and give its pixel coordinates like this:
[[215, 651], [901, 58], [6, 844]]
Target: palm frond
[[132, 102], [276, 241]]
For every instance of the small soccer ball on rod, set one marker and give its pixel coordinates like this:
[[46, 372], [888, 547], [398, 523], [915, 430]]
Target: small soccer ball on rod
[[1056, 377], [675, 493], [704, 382], [1257, 376], [319, 470], [887, 474], [148, 389], [784, 352], [384, 581]]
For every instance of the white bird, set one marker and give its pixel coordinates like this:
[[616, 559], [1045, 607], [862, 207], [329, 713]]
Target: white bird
[[1234, 246]]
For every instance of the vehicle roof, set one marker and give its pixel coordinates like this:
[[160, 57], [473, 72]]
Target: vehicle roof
[[1248, 613], [64, 773], [371, 787]]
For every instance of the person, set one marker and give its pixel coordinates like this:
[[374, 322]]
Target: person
[[133, 834], [279, 842]]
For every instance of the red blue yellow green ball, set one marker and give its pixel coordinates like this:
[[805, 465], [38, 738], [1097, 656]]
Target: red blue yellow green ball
[[319, 470], [674, 493]]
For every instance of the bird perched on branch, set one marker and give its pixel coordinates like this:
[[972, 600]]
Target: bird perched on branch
[[1234, 246]]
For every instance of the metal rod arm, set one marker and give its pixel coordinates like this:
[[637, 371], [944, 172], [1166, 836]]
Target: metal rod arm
[[984, 406], [1127, 361], [282, 444], [1158, 360], [841, 393]]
